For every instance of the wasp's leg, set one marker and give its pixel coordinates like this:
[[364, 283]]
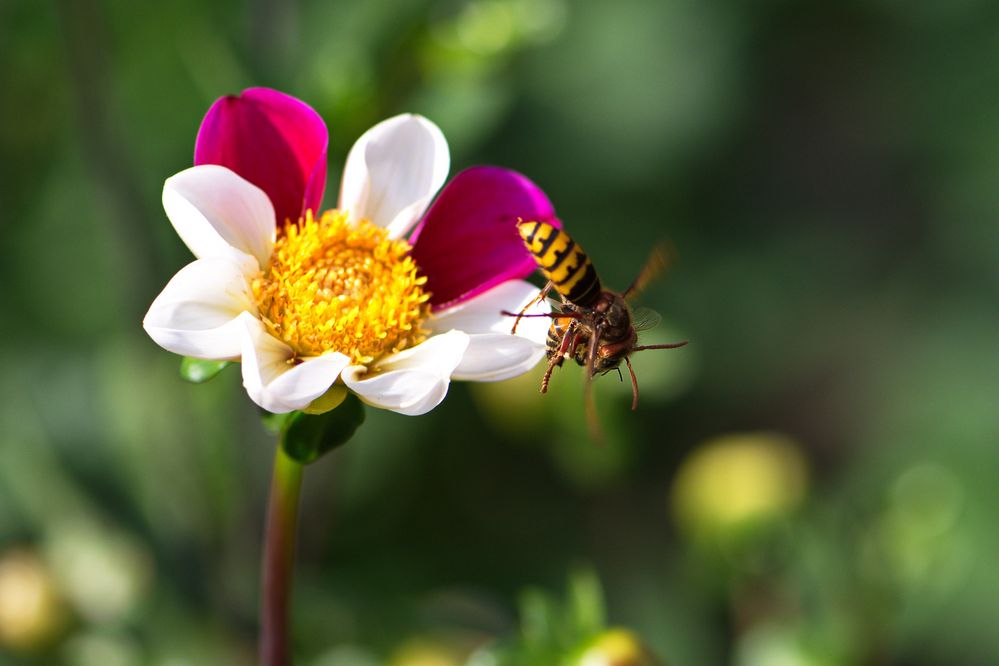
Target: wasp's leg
[[556, 359], [537, 299], [552, 363], [589, 403], [658, 261]]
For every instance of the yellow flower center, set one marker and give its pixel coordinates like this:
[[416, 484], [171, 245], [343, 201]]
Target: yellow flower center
[[338, 286]]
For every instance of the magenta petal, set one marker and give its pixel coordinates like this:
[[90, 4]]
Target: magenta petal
[[468, 240], [273, 140]]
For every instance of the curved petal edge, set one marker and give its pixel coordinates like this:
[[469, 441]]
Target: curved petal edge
[[275, 141], [415, 380], [273, 380], [475, 217], [214, 211], [197, 313], [393, 171]]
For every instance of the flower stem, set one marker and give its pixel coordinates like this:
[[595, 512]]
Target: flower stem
[[279, 559]]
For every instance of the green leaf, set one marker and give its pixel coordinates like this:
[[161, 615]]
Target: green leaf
[[586, 602], [306, 437], [540, 618], [198, 371]]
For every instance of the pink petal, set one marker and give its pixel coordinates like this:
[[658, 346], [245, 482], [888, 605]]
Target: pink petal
[[273, 140], [468, 240]]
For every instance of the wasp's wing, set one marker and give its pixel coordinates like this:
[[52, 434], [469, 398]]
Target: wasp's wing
[[659, 260], [645, 318]]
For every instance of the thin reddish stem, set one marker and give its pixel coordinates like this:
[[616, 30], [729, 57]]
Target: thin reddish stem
[[279, 560]]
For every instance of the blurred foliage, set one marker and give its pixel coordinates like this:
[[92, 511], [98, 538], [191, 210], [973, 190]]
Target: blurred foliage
[[827, 173], [569, 633]]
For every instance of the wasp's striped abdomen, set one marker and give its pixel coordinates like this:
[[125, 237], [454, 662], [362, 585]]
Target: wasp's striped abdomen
[[557, 331], [562, 261]]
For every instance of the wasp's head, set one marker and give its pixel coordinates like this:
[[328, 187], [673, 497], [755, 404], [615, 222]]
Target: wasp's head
[[603, 365]]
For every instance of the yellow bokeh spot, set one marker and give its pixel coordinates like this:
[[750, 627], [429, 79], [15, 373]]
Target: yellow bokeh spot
[[737, 480], [30, 610], [616, 647], [336, 285], [426, 652]]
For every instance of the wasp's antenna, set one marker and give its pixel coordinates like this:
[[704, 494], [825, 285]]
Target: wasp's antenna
[[634, 384], [550, 315], [672, 345]]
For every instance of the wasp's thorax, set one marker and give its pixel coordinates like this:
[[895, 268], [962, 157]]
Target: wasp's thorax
[[610, 315], [614, 317]]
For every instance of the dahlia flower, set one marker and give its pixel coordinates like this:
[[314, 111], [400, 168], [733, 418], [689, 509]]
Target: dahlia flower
[[387, 295]]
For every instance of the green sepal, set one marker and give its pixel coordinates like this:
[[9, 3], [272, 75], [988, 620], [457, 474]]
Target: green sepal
[[198, 371], [333, 398], [274, 423], [307, 437], [330, 400]]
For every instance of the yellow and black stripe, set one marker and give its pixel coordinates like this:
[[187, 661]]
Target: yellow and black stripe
[[562, 261]]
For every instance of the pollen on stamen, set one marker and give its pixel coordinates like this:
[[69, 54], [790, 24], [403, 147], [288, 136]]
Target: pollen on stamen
[[334, 285]]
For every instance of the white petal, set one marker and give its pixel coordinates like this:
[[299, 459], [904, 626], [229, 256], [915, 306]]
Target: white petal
[[195, 314], [413, 381], [483, 313], [393, 171], [492, 357], [214, 209], [493, 354], [277, 385]]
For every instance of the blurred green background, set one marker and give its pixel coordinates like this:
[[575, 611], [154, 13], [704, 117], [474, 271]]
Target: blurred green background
[[811, 482]]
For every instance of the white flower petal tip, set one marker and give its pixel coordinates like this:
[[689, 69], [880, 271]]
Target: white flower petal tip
[[493, 354], [276, 384], [415, 380], [197, 312], [213, 210], [393, 171]]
